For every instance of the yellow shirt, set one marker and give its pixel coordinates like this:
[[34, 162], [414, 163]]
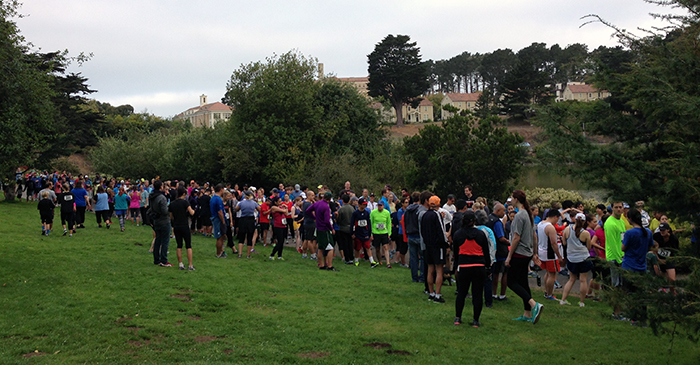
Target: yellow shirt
[[654, 224], [627, 223]]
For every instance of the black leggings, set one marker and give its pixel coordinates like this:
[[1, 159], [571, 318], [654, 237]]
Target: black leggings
[[280, 234], [475, 276], [183, 233], [246, 230], [70, 218], [102, 215], [517, 279], [346, 244], [80, 215]]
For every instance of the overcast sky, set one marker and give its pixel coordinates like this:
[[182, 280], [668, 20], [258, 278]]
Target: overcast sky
[[161, 55]]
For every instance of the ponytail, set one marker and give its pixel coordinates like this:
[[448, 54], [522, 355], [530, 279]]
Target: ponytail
[[520, 196], [635, 216]]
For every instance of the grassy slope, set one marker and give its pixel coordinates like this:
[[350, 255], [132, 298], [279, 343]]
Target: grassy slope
[[97, 297]]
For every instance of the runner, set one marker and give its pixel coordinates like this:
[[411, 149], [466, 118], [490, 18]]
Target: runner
[[246, 226], [180, 211], [121, 205], [666, 245], [216, 209], [102, 207], [45, 208], [135, 205], [519, 257], [502, 248], [548, 251], [361, 231], [279, 212], [578, 243], [309, 244], [82, 202], [474, 260], [67, 201], [321, 212], [344, 233], [432, 232], [381, 226]]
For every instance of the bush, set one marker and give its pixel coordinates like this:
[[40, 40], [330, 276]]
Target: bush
[[544, 197], [64, 164]]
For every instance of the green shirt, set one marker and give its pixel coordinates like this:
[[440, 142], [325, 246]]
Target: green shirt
[[614, 232], [381, 221]]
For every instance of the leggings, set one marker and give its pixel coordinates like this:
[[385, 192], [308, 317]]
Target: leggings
[[183, 233], [517, 279], [280, 233], [229, 237], [80, 215], [70, 218], [474, 275], [102, 215], [346, 244], [122, 217], [246, 230]]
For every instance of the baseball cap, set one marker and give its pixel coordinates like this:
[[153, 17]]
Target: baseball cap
[[381, 202], [580, 216], [275, 190], [353, 199], [328, 195], [625, 206], [297, 187], [320, 187], [664, 227], [434, 200], [372, 194], [361, 201]]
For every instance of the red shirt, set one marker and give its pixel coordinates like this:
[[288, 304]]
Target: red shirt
[[264, 213], [277, 220], [290, 205]]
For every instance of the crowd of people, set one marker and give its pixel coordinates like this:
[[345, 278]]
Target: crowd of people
[[463, 240]]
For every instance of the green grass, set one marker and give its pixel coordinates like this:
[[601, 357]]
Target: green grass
[[97, 297]]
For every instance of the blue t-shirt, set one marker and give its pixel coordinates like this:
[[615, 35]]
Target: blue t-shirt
[[537, 219], [498, 232], [248, 208], [102, 202], [79, 197], [636, 248], [216, 204], [399, 215]]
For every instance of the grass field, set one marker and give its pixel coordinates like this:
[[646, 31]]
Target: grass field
[[97, 298]]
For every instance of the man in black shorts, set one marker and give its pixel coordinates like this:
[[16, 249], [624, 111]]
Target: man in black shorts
[[433, 234]]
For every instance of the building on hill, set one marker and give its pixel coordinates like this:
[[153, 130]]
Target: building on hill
[[359, 83], [421, 114], [461, 101], [583, 92], [206, 114]]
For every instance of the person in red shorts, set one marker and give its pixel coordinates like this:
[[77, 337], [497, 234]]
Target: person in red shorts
[[361, 232], [548, 251]]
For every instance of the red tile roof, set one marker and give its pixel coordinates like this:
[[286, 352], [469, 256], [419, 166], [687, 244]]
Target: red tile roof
[[425, 102], [353, 79], [463, 96], [584, 89]]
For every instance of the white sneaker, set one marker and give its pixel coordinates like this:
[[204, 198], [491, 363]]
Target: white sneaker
[[581, 304], [271, 258], [564, 302]]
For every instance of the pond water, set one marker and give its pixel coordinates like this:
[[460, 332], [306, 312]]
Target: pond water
[[538, 176]]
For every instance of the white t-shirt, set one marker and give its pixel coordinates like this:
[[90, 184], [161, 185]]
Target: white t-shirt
[[543, 248], [450, 208]]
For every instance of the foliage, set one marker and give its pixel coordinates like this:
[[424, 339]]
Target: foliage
[[65, 164], [27, 115], [527, 83], [284, 119], [544, 197], [650, 123], [464, 150], [397, 73]]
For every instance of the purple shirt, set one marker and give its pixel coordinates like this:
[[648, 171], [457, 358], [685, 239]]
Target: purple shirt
[[323, 215]]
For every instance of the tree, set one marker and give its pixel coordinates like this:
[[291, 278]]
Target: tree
[[464, 150], [527, 83], [27, 114], [642, 143], [397, 73], [284, 119]]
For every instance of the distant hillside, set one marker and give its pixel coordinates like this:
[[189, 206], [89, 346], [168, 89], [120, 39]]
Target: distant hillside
[[527, 131]]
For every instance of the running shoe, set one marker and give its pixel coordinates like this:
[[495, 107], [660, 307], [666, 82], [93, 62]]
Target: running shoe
[[388, 266], [332, 269], [581, 304], [167, 264], [191, 268], [322, 268], [439, 300], [299, 250], [536, 313], [374, 264], [223, 254], [349, 262], [619, 317], [532, 274], [404, 265], [564, 302], [70, 235], [523, 319], [502, 298], [476, 324], [357, 263], [107, 225], [458, 321], [557, 285], [550, 297], [65, 232], [431, 298], [271, 258], [181, 266], [304, 256], [280, 258]]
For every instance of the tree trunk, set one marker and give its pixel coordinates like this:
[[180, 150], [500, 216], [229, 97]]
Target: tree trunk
[[399, 113], [9, 191]]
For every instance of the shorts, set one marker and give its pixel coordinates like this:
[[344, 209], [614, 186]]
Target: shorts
[[325, 240], [380, 240], [668, 265], [615, 274], [401, 245], [580, 267], [219, 228], [434, 255], [551, 266], [264, 227], [360, 244], [120, 212], [310, 233], [48, 219], [206, 221], [499, 267], [135, 211]]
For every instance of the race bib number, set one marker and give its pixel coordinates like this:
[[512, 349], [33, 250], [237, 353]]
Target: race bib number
[[664, 253], [284, 221], [227, 216], [622, 236], [381, 226], [362, 223]]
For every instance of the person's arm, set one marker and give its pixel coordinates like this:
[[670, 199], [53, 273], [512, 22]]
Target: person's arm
[[594, 243], [585, 237], [514, 246], [624, 243], [552, 234], [190, 210]]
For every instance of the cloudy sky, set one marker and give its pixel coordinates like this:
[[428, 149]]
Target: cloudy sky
[[160, 56]]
